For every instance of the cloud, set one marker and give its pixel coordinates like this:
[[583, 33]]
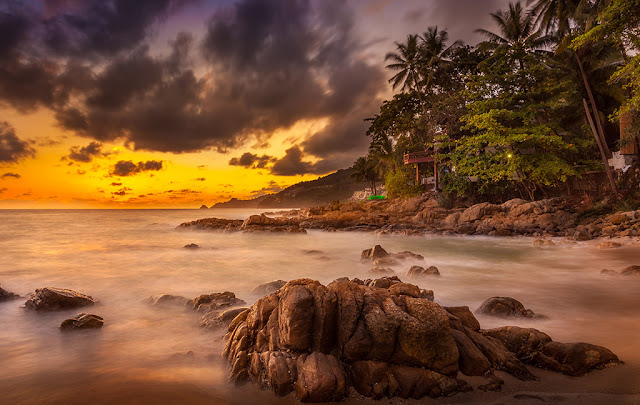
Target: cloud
[[200, 179], [3, 189], [12, 149], [250, 160], [291, 164], [13, 175], [129, 168], [86, 154], [116, 184]]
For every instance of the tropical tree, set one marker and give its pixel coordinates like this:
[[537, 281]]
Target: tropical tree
[[407, 61], [364, 169], [436, 53]]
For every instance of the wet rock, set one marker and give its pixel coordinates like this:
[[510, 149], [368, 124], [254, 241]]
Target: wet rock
[[631, 271], [377, 252], [82, 321], [7, 295], [215, 319], [506, 307], [191, 246], [609, 272], [410, 290], [183, 356], [167, 299], [215, 301], [609, 245], [471, 361], [321, 378], [407, 255], [54, 299], [573, 359], [418, 271], [465, 316], [268, 288], [382, 282], [494, 384], [476, 212], [386, 261], [520, 341], [380, 271]]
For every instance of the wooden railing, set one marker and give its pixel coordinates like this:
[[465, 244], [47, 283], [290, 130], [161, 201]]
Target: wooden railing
[[424, 156]]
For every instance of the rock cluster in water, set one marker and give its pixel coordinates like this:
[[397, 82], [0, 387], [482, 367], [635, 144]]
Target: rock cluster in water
[[387, 341], [82, 321], [255, 223], [54, 299]]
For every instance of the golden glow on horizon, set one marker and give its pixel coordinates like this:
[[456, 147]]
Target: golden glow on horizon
[[49, 181]]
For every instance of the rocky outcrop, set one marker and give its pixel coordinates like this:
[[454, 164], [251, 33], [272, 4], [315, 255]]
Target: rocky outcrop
[[320, 340], [268, 288], [7, 295], [166, 299], [220, 319], [54, 299], [418, 271], [506, 307], [81, 322], [255, 223]]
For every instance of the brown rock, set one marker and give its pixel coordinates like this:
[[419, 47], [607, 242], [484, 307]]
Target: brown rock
[[215, 301], [381, 271], [521, 341], [82, 321], [472, 361], [609, 245], [631, 271], [268, 288], [54, 299], [505, 307], [167, 299], [320, 378], [407, 255], [377, 252], [573, 359], [418, 271], [466, 317], [7, 295]]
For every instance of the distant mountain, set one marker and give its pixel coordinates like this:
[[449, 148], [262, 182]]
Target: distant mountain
[[336, 186]]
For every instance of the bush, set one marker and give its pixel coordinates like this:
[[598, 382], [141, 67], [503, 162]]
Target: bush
[[401, 184]]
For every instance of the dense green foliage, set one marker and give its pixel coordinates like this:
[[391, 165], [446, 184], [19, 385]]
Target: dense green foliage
[[524, 111]]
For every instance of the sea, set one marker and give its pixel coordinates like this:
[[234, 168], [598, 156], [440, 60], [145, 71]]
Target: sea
[[141, 355]]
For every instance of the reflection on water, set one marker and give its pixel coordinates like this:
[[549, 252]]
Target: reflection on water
[[122, 257]]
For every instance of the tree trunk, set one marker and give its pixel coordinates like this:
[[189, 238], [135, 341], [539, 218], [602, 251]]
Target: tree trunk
[[596, 114], [603, 155]]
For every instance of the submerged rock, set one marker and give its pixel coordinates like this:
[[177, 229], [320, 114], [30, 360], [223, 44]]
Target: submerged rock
[[82, 321], [166, 299], [54, 299], [381, 271], [268, 288], [506, 307], [609, 245], [191, 246], [418, 271], [7, 295], [381, 257], [627, 271], [573, 359]]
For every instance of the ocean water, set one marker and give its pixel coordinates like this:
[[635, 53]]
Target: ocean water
[[121, 257]]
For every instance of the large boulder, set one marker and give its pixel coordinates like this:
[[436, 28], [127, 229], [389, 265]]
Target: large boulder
[[476, 212], [631, 271], [573, 359], [376, 252], [318, 340], [7, 295], [506, 307], [54, 299], [82, 321]]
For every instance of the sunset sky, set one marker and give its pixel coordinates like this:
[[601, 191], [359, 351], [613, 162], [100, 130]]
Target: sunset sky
[[178, 103]]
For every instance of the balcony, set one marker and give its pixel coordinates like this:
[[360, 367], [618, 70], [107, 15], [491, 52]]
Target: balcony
[[425, 156]]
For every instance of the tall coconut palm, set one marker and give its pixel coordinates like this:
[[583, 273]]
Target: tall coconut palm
[[407, 61], [518, 32], [435, 52]]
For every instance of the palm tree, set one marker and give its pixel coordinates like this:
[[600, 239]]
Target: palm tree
[[518, 34], [435, 52], [364, 170], [407, 60]]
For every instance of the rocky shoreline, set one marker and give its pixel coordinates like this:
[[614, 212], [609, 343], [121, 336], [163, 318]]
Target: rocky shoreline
[[422, 215]]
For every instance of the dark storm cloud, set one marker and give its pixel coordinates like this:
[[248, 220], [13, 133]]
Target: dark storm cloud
[[102, 27], [129, 168], [271, 64], [250, 160], [86, 154], [292, 164], [13, 175], [12, 149]]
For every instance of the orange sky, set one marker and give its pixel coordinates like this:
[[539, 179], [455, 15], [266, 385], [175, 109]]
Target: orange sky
[[187, 180]]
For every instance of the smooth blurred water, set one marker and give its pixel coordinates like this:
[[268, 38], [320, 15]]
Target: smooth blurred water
[[123, 256]]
